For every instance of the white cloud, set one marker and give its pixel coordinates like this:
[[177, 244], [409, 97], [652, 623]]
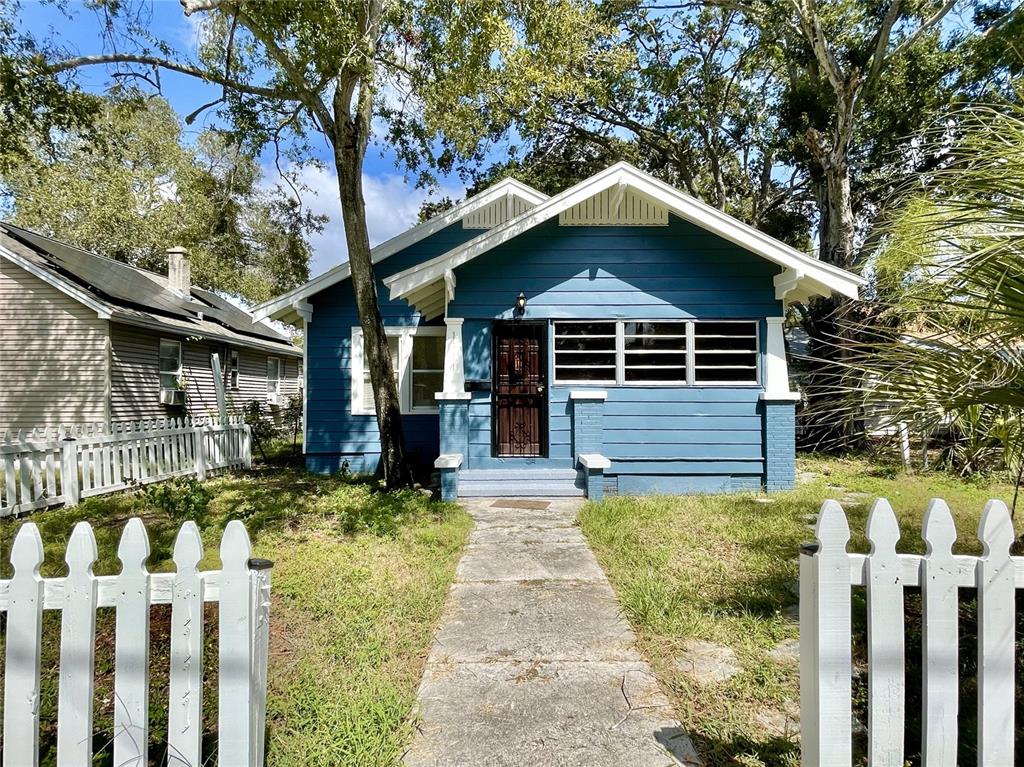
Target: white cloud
[[392, 206]]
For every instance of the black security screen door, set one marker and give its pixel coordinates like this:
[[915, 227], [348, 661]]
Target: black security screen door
[[520, 392]]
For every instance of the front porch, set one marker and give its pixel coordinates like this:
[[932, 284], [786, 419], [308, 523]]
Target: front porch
[[680, 439]]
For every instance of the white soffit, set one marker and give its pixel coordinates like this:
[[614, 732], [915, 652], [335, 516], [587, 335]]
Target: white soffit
[[293, 306], [806, 275], [620, 205]]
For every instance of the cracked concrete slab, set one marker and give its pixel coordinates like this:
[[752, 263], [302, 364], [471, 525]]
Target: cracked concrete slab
[[533, 663]]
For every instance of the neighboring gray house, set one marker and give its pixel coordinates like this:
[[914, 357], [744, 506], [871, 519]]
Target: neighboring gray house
[[85, 339]]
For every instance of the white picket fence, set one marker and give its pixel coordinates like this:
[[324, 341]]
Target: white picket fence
[[827, 574], [241, 588], [48, 467]]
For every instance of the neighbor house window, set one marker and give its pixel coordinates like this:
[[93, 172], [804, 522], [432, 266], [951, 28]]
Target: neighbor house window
[[656, 352], [417, 357], [170, 364], [231, 372], [585, 352], [273, 376], [724, 352]]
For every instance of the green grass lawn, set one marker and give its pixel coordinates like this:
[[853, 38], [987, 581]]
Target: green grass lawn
[[359, 580], [724, 569]]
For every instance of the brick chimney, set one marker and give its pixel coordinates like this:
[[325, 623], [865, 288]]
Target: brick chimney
[[179, 271]]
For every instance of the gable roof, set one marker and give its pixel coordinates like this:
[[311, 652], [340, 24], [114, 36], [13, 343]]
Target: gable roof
[[803, 276], [293, 305], [123, 293]]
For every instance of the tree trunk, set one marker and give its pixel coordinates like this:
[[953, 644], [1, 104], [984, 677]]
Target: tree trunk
[[349, 150], [836, 245]]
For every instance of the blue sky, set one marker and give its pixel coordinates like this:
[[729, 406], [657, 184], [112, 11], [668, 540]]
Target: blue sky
[[391, 201]]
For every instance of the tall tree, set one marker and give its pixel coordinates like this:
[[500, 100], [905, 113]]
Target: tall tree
[[304, 68], [125, 185]]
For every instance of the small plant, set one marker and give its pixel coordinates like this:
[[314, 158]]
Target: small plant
[[291, 418], [262, 426], [182, 498]]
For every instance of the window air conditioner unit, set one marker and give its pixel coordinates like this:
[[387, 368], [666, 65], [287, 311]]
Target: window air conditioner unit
[[172, 397], [274, 399]]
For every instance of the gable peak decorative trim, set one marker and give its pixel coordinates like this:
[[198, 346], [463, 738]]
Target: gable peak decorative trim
[[817, 277]]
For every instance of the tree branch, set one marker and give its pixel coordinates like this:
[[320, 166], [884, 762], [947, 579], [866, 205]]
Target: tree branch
[[927, 24], [79, 62], [882, 43], [311, 99]]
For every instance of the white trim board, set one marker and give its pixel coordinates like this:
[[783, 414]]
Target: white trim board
[[293, 305], [807, 275]]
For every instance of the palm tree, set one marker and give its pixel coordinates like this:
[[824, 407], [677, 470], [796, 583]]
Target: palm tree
[[951, 280]]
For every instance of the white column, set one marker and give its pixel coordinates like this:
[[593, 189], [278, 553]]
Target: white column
[[776, 372], [454, 366]]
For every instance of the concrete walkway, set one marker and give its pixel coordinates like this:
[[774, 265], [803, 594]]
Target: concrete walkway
[[533, 663]]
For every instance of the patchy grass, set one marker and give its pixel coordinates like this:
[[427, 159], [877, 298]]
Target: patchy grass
[[724, 569], [358, 585]]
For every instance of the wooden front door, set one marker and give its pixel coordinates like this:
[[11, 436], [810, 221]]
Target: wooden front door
[[520, 391]]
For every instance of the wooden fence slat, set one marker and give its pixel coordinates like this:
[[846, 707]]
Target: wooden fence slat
[[886, 689], [833, 660], [236, 625], [996, 634], [77, 651], [22, 652], [184, 725], [131, 659], [940, 639]]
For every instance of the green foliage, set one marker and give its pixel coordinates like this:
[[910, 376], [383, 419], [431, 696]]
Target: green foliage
[[952, 273], [181, 498], [257, 415], [127, 187]]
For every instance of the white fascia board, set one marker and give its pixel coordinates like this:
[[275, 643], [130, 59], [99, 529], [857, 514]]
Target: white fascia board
[[705, 216], [66, 287], [281, 306]]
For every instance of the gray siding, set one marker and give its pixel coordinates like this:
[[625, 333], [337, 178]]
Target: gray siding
[[136, 379], [53, 355]]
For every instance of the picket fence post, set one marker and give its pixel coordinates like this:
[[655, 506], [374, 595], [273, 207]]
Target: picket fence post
[[200, 439], [69, 471], [826, 622], [23, 651]]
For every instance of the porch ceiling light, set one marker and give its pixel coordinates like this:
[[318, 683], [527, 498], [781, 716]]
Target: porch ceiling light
[[521, 304]]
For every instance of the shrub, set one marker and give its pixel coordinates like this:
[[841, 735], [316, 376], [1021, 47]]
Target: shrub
[[182, 498]]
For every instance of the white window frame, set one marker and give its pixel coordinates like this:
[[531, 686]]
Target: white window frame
[[617, 343], [405, 337], [276, 391], [233, 367], [160, 372], [620, 355]]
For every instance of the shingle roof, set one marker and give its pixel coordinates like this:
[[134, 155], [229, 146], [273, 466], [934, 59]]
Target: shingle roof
[[140, 297]]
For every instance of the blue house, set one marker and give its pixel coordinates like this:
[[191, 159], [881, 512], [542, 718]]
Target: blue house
[[618, 337]]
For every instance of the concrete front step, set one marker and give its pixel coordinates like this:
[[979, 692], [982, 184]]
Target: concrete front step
[[520, 483]]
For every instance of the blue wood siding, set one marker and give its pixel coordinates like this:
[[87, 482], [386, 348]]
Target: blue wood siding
[[333, 435], [660, 438]]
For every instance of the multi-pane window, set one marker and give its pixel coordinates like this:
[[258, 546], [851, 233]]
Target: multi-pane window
[[724, 352], [273, 376], [427, 370], [367, 384], [654, 352], [585, 352], [170, 364], [417, 359], [657, 352]]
